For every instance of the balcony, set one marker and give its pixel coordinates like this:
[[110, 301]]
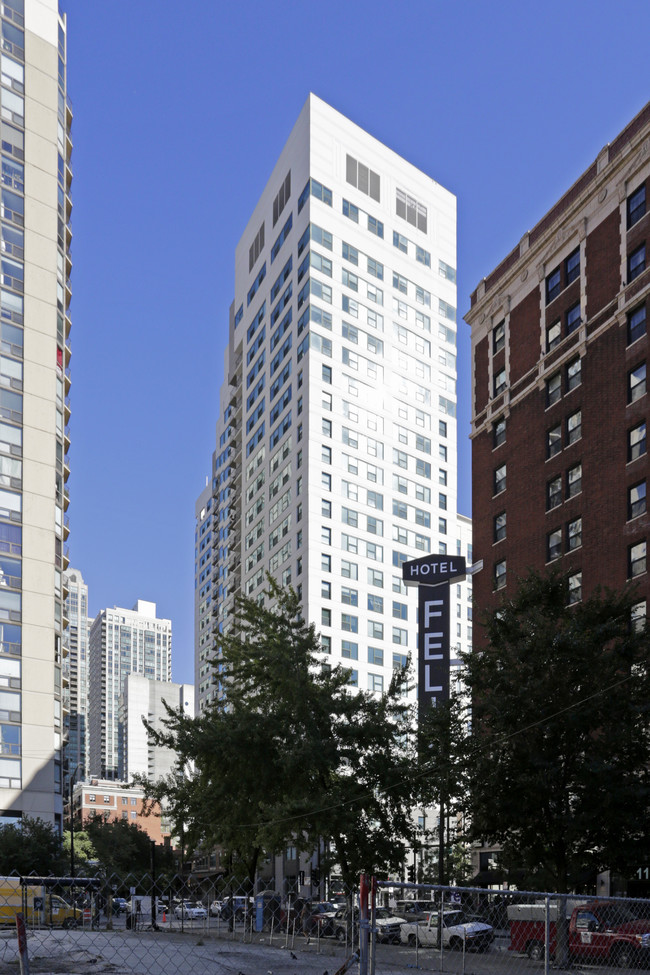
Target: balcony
[[68, 381], [68, 293], [66, 498], [66, 410], [66, 469]]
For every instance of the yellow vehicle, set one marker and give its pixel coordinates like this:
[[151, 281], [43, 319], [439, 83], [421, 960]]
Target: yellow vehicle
[[39, 905]]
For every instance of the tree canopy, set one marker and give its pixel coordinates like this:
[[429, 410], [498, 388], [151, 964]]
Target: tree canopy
[[292, 755], [559, 755], [33, 847]]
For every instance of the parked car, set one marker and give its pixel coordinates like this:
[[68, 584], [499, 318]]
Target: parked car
[[323, 915], [457, 932], [190, 911], [388, 926], [120, 905], [412, 910]]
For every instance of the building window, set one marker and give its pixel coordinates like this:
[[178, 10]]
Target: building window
[[499, 337], [376, 656], [499, 382], [326, 563], [500, 526], [553, 389], [573, 374], [636, 383], [410, 210], [400, 242], [573, 318], [574, 427], [500, 479], [361, 177], [554, 441], [574, 534], [574, 480], [572, 266], [349, 650], [636, 559], [575, 588], [638, 617], [376, 683], [554, 544], [636, 442], [635, 206], [349, 623], [499, 432], [636, 500], [553, 493], [553, 335], [326, 590], [326, 617], [553, 285], [636, 263], [635, 324], [500, 574]]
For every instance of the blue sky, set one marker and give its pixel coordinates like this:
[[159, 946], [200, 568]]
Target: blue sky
[[180, 111]]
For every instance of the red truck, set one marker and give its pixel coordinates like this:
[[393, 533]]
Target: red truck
[[597, 931]]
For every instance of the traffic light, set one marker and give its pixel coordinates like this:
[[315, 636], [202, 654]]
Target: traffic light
[[410, 871], [315, 877]]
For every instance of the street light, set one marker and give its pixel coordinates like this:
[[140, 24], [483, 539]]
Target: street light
[[70, 786]]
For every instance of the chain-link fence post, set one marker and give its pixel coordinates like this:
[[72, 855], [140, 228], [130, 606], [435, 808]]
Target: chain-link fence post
[[363, 925]]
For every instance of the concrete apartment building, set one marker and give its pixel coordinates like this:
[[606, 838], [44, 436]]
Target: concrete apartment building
[[559, 412], [34, 385], [336, 439], [203, 639], [146, 698], [76, 670], [336, 454], [122, 641]]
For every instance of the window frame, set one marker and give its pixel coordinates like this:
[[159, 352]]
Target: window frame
[[553, 389], [638, 506], [554, 545], [636, 262], [636, 210], [637, 389], [637, 564], [639, 447], [636, 329], [499, 337]]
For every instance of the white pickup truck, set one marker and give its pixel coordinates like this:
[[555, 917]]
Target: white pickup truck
[[456, 932]]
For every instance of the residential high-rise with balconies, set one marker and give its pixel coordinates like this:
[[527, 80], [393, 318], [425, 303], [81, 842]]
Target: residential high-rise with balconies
[[75, 669], [122, 642], [336, 438], [34, 383]]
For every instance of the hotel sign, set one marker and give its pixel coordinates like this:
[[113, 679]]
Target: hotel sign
[[433, 570], [433, 574]]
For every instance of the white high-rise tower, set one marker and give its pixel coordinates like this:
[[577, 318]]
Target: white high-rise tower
[[336, 438], [34, 411]]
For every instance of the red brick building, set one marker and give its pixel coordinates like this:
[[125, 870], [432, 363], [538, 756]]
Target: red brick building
[[112, 800], [559, 350]]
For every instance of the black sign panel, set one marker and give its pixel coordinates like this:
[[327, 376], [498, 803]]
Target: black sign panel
[[432, 570], [433, 644]]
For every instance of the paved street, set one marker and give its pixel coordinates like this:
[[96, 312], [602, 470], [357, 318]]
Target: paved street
[[197, 952]]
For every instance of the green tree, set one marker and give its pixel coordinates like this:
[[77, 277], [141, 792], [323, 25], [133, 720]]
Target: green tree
[[293, 756], [560, 756], [33, 847], [83, 849], [123, 848]]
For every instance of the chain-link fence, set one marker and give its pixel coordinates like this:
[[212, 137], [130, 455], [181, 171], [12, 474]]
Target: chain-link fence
[[224, 927], [468, 930]]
